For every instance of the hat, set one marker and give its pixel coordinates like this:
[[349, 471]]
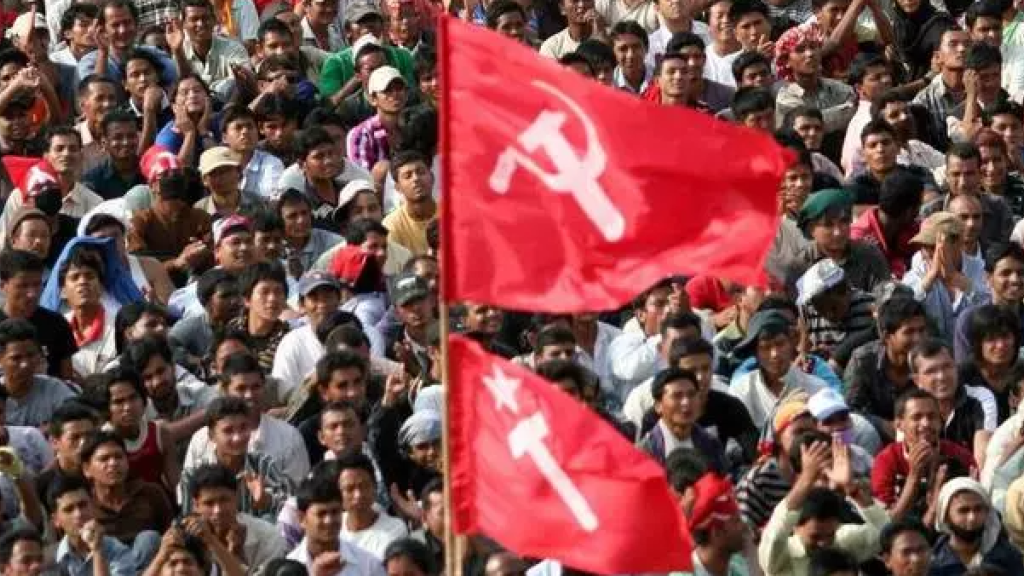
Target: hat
[[786, 413], [364, 41], [156, 161], [885, 291], [138, 197], [939, 222], [20, 28], [317, 279], [823, 276], [826, 403], [761, 322], [714, 504], [360, 9], [822, 202], [28, 213], [216, 157], [348, 193], [234, 223], [409, 287], [382, 77]]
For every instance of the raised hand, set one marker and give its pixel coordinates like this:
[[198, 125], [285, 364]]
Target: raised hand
[[175, 35]]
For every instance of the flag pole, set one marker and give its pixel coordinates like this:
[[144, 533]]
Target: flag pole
[[454, 546]]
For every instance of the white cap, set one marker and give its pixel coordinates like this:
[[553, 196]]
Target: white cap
[[20, 28], [382, 77], [824, 275], [826, 403], [364, 41]]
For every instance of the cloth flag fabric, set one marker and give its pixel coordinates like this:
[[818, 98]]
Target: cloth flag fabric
[[548, 478], [566, 195]]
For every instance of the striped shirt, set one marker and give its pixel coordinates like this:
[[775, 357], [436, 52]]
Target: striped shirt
[[275, 483], [825, 335], [759, 491], [368, 143]]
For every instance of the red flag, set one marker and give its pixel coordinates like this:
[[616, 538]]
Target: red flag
[[548, 478], [565, 195], [17, 167]]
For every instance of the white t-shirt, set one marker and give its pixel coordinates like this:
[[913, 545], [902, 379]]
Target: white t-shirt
[[376, 538], [296, 358], [719, 68]]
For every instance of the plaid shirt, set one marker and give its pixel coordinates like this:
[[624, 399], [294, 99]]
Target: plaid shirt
[[368, 143], [275, 483]]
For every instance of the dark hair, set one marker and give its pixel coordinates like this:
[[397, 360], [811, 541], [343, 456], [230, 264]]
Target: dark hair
[[741, 8], [982, 55], [820, 504], [14, 262], [82, 257], [139, 53], [749, 100], [131, 313], [553, 335], [335, 319], [417, 129], [262, 271], [928, 348], [433, 486], [9, 540], [317, 490], [1003, 107], [238, 364], [896, 312], [86, 84], [227, 335], [829, 561], [887, 97], [631, 28], [892, 530], [789, 121], [876, 127], [913, 393], [413, 550], [16, 330], [990, 321], [126, 4], [278, 106], [347, 335], [184, 184], [680, 321], [681, 40], [93, 443], [358, 230], [983, 9], [235, 111], [684, 347], [641, 300], [577, 58], [499, 8], [963, 151], [434, 235], [117, 116], [406, 157], [339, 360], [285, 567], [558, 370], [292, 196], [212, 476], [121, 375], [900, 193], [805, 440], [310, 139], [211, 281], [747, 59], [357, 461], [137, 354], [599, 53], [341, 406], [62, 130], [265, 220], [995, 254], [684, 467], [70, 411], [272, 26], [860, 66], [323, 117], [63, 484], [669, 375], [426, 61], [225, 407], [76, 11]]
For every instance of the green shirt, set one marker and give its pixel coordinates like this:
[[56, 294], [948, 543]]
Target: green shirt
[[340, 68]]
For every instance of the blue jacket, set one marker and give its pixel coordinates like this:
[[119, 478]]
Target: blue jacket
[[709, 447], [1003, 555]]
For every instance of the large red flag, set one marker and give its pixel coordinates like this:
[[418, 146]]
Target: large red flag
[[565, 195], [548, 478]]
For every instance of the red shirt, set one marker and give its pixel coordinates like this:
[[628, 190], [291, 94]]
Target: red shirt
[[891, 469], [868, 229]]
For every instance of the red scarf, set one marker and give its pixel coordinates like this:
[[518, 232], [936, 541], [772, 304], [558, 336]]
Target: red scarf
[[85, 335]]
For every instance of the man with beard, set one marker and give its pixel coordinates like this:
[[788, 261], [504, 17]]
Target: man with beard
[[971, 531]]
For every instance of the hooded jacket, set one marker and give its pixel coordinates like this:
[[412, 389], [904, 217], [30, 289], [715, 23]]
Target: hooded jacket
[[995, 549]]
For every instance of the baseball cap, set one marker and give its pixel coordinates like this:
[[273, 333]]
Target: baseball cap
[[215, 158], [347, 194], [317, 279], [222, 228], [24, 23], [826, 403], [156, 161], [360, 9], [787, 413], [823, 276], [762, 321], [940, 222], [382, 77], [364, 41], [885, 291], [408, 287]]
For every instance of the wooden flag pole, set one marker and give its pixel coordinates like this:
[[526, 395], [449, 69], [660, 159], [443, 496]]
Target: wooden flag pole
[[454, 546]]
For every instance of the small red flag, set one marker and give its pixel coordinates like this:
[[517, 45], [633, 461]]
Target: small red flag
[[564, 195], [548, 478], [17, 168]]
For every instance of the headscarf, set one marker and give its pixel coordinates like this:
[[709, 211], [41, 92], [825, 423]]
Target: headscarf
[[788, 42], [422, 426], [963, 484], [715, 503], [117, 280], [429, 398]]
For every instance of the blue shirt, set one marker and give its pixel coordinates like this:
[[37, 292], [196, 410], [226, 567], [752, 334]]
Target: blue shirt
[[116, 70], [105, 180], [819, 368], [119, 557], [171, 139]]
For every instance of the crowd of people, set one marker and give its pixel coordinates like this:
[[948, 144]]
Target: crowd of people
[[219, 325]]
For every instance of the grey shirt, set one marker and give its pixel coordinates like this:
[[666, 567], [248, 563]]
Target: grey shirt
[[35, 408]]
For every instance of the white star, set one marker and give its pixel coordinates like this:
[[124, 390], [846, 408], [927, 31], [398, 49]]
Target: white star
[[503, 389]]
